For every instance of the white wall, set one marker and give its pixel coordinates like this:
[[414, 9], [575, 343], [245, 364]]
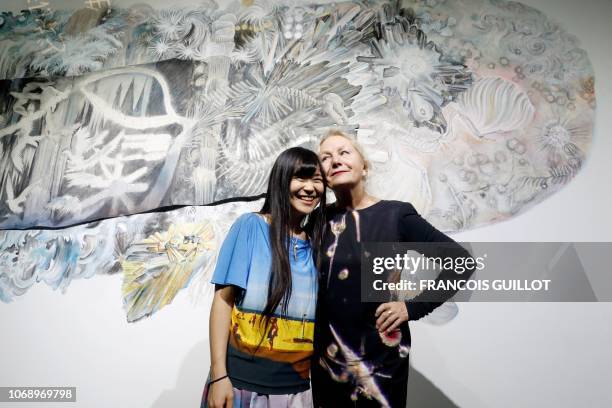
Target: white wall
[[491, 355], [530, 354]]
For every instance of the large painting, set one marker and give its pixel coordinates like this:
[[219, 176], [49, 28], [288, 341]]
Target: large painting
[[472, 110]]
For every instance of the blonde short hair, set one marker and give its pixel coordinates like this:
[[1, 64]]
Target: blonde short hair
[[356, 145]]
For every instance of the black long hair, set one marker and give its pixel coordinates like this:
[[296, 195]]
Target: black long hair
[[293, 162]]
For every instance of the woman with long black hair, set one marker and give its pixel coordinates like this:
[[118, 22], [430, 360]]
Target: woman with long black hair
[[262, 316]]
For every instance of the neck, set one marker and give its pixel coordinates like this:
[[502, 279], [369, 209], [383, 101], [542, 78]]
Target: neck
[[354, 197], [295, 222]]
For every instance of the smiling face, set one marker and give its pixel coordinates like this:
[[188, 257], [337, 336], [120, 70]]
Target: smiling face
[[342, 163], [306, 192]]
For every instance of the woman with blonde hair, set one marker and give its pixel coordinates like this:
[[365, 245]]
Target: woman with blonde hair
[[361, 349]]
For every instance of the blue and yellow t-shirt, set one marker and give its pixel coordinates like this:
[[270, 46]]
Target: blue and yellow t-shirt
[[277, 361]]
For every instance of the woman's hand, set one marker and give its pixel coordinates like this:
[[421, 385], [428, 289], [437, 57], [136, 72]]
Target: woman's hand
[[390, 315], [221, 394]]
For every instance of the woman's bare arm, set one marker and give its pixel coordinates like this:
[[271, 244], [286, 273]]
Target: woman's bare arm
[[220, 393]]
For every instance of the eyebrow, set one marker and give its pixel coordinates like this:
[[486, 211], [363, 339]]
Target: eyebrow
[[341, 147]]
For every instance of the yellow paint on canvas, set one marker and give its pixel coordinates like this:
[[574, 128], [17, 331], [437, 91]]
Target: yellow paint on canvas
[[169, 260]]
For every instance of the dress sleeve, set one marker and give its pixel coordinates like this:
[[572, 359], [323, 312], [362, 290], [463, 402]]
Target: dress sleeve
[[234, 259], [413, 228]]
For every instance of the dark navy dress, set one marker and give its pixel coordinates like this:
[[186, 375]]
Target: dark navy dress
[[353, 365]]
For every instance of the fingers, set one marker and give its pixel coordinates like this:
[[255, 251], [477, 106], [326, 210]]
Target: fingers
[[395, 325], [390, 315], [221, 398], [385, 319], [382, 313], [380, 309], [388, 323], [380, 320], [227, 402]]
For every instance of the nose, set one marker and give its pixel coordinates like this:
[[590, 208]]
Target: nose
[[308, 186], [335, 162]]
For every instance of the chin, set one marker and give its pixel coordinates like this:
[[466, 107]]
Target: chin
[[311, 209], [304, 209], [341, 183], [348, 177], [303, 212]]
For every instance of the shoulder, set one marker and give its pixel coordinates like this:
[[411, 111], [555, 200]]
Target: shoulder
[[248, 219], [402, 208], [331, 210], [331, 207], [247, 223], [246, 230]]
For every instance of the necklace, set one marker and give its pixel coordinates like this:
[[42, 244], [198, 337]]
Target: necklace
[[295, 247], [292, 238]]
